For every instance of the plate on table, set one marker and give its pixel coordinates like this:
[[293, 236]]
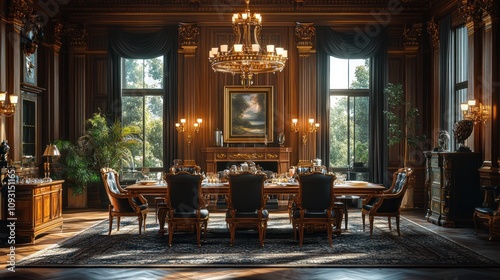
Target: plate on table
[[147, 182], [356, 183]]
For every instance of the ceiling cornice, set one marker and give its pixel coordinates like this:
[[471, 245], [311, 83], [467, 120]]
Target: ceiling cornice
[[218, 12]]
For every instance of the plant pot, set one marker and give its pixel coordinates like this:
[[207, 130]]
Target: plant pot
[[77, 200]]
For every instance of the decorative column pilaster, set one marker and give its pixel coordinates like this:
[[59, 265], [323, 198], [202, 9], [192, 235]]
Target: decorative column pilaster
[[490, 171], [306, 142], [433, 30], [18, 11], [411, 43], [189, 144], [472, 14], [77, 35], [52, 73]]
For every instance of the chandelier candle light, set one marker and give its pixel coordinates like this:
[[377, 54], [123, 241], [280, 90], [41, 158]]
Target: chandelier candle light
[[8, 108], [246, 57]]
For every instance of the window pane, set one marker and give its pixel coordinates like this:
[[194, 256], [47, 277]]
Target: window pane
[[132, 114], [339, 150], [154, 131], [143, 73], [349, 73], [133, 70], [461, 54], [153, 73], [359, 129]]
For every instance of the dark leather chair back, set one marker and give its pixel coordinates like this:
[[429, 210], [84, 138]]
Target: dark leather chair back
[[394, 203], [246, 191], [184, 191], [117, 198], [316, 190]]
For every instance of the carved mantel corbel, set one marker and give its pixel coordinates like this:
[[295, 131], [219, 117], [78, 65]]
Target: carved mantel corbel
[[188, 37], [305, 33]]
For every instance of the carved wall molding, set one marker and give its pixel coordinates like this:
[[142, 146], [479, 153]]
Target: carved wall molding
[[77, 35], [304, 34], [188, 34], [433, 30], [231, 6], [19, 10], [471, 11], [411, 36]]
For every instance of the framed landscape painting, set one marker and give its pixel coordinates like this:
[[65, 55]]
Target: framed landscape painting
[[248, 114]]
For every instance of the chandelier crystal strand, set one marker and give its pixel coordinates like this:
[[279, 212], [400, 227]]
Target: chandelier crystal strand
[[247, 57]]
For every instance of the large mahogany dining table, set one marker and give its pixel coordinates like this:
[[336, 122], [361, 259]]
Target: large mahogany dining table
[[347, 188]]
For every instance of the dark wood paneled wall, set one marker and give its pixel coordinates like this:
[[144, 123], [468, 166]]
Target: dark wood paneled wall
[[82, 71]]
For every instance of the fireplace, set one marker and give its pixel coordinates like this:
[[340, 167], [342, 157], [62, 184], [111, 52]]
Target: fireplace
[[276, 159]]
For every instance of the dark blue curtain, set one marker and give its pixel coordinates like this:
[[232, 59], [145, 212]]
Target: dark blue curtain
[[355, 46], [146, 45]]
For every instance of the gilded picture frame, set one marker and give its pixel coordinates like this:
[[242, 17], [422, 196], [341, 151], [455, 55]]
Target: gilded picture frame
[[248, 114]]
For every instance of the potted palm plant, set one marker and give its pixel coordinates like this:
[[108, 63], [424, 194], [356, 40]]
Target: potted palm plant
[[73, 167], [102, 145]]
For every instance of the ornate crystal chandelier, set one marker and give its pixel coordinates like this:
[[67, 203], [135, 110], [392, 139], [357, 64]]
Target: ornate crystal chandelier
[[246, 57]]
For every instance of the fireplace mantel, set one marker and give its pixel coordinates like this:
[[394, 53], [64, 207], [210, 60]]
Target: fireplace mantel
[[217, 156]]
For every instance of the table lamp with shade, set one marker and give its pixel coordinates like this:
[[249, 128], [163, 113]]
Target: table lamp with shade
[[51, 151]]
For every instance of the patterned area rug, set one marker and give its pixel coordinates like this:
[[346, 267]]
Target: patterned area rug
[[417, 247]]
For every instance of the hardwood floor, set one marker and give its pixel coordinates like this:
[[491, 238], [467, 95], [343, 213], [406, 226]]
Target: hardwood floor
[[75, 220]]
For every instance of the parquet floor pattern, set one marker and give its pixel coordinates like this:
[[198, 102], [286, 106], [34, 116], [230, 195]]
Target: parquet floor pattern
[[76, 220]]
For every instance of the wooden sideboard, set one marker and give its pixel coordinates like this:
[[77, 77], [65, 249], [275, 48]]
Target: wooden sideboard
[[38, 208], [270, 158], [453, 189]]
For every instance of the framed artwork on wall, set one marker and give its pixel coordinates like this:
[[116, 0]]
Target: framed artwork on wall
[[248, 114]]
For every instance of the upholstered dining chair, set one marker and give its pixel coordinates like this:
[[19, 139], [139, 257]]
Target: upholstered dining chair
[[121, 204], [191, 168], [314, 206], [184, 207], [388, 203], [246, 202], [489, 215]]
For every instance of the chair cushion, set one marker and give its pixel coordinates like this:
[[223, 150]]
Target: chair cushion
[[312, 214], [143, 206], [191, 214], [254, 214], [483, 210]]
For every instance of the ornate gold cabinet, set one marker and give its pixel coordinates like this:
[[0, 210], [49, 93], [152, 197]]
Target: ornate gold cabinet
[[453, 189], [38, 208]]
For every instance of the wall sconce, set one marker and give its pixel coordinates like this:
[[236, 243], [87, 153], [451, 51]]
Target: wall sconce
[[197, 125], [51, 151], [474, 111], [295, 126], [8, 108], [180, 126], [313, 128]]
